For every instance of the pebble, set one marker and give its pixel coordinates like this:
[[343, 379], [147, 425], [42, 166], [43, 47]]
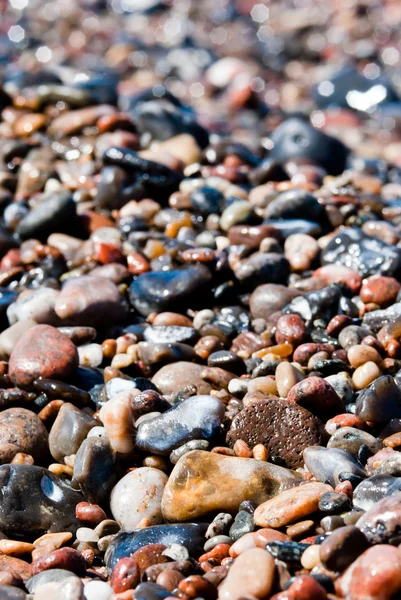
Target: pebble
[[318, 396], [269, 298], [21, 431], [98, 590], [198, 417], [251, 574], [381, 523], [300, 250], [90, 300], [379, 402], [230, 481], [282, 426], [342, 548], [380, 290], [327, 464], [42, 352], [290, 505], [351, 439], [94, 469], [117, 418], [171, 378], [127, 499], [69, 431], [10, 336]]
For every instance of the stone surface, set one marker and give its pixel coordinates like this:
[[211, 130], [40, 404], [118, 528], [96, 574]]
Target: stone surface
[[69, 431], [269, 298], [327, 464], [342, 547], [318, 396], [90, 300], [252, 574], [35, 500], [42, 352], [138, 496], [380, 402], [382, 523], [22, 431], [291, 505], [94, 469], [204, 482], [198, 417], [285, 428], [172, 378]]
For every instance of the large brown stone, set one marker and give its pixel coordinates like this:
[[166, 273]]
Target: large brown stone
[[21, 431], [172, 378], [42, 351], [205, 482]]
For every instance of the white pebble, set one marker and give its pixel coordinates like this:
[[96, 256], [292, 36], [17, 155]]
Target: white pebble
[[90, 355], [85, 534], [97, 590], [97, 432]]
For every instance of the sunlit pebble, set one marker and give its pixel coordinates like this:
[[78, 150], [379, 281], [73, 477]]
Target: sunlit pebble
[[257, 84], [218, 35], [197, 90], [138, 59], [43, 54], [318, 119], [16, 33], [19, 4], [371, 71], [265, 33], [325, 88], [77, 39], [260, 13], [390, 56]]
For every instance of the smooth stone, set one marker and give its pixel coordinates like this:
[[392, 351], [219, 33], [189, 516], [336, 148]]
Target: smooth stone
[[36, 305], [380, 290], [351, 439], [291, 505], [342, 547], [318, 396], [42, 352], [269, 298], [90, 355], [288, 227], [204, 482], [150, 591], [341, 383], [326, 464], [238, 212], [98, 590], [367, 255], [251, 575], [376, 319], [127, 499], [300, 250], [370, 491], [382, 523], [188, 447], [375, 575], [380, 402], [69, 431], [243, 524], [94, 469], [21, 431], [7, 592], [54, 214], [190, 535], [170, 334], [296, 204], [168, 290], [296, 139], [198, 417], [334, 503], [10, 336], [50, 575], [264, 267], [90, 300], [285, 428], [35, 500]]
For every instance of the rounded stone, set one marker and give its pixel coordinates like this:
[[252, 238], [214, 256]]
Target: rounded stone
[[252, 574], [45, 352], [172, 378], [318, 396], [342, 547], [21, 431]]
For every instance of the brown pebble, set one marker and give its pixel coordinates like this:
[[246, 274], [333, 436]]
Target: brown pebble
[[126, 575], [169, 579], [300, 529], [290, 328], [64, 558], [90, 514], [380, 290]]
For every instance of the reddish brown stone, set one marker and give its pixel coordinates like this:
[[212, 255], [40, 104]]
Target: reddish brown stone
[[338, 323], [42, 351], [126, 575], [63, 558], [252, 235], [306, 587], [15, 566], [304, 352], [340, 274], [290, 328], [316, 395], [149, 555], [90, 514], [380, 290]]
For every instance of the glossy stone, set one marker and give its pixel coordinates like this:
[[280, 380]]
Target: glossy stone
[[327, 464], [94, 469], [69, 431], [21, 431], [380, 402]]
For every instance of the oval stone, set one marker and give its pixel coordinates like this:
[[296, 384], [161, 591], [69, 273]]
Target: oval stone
[[21, 431]]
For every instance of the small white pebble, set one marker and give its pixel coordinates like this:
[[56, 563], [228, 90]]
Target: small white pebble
[[311, 557], [85, 534], [176, 552], [97, 432], [90, 355], [97, 590]]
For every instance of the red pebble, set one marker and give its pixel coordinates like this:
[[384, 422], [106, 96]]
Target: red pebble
[[90, 514], [63, 558], [126, 575], [290, 329], [345, 487], [316, 395], [108, 253], [219, 552], [306, 587], [304, 352]]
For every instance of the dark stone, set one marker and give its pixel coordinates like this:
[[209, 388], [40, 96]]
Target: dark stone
[[55, 213], [382, 523], [380, 402], [94, 469], [370, 491], [329, 465], [150, 591], [296, 139], [333, 503], [34, 500], [69, 431], [269, 267], [190, 535], [243, 523], [229, 361], [342, 547], [296, 204], [207, 200], [288, 552]]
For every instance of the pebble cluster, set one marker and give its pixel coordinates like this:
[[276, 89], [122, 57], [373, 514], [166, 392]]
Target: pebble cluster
[[200, 300]]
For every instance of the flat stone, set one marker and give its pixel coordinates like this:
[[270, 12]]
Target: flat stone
[[285, 428], [54, 213], [35, 500], [90, 300], [251, 575], [327, 464], [172, 378], [380, 402], [15, 565], [42, 352], [138, 496], [198, 417], [204, 482], [190, 535], [291, 505], [69, 431], [94, 469], [21, 431]]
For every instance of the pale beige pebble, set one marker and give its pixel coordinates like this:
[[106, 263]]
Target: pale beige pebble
[[124, 342], [183, 147], [360, 354], [300, 250], [291, 505], [243, 544], [260, 452], [266, 385], [121, 361], [287, 375], [10, 336], [315, 358], [365, 374], [256, 539], [71, 588], [67, 244], [59, 469], [117, 418], [311, 557], [15, 547], [252, 574]]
